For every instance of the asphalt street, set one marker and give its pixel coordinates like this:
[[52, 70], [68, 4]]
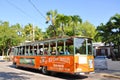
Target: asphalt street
[[9, 72]]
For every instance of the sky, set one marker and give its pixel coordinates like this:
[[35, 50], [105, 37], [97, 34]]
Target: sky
[[23, 12]]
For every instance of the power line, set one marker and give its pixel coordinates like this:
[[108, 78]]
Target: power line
[[19, 9], [36, 9], [30, 17]]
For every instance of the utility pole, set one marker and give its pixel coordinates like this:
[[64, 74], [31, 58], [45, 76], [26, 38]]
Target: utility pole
[[33, 33]]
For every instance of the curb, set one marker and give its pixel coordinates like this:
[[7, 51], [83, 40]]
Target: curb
[[110, 75]]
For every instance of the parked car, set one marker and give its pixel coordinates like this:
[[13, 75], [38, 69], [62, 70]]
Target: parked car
[[100, 62]]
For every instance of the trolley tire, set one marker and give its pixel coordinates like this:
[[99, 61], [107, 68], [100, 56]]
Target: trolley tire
[[53, 73], [44, 70], [15, 65]]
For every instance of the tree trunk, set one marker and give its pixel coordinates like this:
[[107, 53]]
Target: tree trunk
[[62, 30], [54, 30], [119, 51], [73, 31], [112, 53], [3, 53]]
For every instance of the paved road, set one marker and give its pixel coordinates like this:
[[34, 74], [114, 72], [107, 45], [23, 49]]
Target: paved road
[[9, 72]]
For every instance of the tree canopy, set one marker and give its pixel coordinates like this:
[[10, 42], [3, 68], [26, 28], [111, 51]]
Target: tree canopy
[[13, 35], [59, 25], [110, 32], [8, 36], [87, 29], [62, 25]]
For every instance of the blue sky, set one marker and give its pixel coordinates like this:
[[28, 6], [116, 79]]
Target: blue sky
[[21, 11]]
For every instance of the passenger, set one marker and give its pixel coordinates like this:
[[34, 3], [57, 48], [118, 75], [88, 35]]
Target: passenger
[[38, 52], [61, 52], [57, 52], [31, 53], [35, 52], [45, 52], [67, 52], [27, 53], [54, 52], [41, 51]]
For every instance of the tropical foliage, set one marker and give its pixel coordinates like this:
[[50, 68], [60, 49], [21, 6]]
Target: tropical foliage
[[87, 29], [8, 36], [62, 25], [110, 32], [59, 25], [13, 35]]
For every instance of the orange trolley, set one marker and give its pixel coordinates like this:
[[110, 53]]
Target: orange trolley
[[72, 55]]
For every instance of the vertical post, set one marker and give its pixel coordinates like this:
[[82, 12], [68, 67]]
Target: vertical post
[[92, 47], [64, 45], [33, 34], [37, 49], [21, 50], [25, 51], [18, 51], [86, 46], [74, 46], [43, 48], [33, 49], [29, 50], [56, 47], [15, 51], [49, 49]]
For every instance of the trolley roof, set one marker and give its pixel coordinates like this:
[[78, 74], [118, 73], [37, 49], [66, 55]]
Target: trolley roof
[[52, 39]]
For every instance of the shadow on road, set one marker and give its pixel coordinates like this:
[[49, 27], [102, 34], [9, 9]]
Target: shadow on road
[[12, 76], [2, 60], [69, 76], [57, 75]]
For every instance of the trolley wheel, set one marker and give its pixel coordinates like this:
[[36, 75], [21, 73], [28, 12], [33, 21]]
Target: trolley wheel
[[44, 70], [16, 66], [53, 73]]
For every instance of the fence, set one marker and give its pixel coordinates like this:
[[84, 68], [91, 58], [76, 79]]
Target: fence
[[113, 65]]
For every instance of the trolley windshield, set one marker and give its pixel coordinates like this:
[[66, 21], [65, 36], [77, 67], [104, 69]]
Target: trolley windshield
[[83, 46]]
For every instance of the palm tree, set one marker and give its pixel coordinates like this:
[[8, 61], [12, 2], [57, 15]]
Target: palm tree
[[28, 32], [38, 33], [74, 22], [51, 17], [63, 21]]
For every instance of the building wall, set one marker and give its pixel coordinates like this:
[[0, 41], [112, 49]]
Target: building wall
[[113, 65], [100, 51]]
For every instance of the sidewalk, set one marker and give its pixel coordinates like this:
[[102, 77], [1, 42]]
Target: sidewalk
[[109, 73], [2, 60]]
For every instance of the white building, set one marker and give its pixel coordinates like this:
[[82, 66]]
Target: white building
[[101, 49]]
